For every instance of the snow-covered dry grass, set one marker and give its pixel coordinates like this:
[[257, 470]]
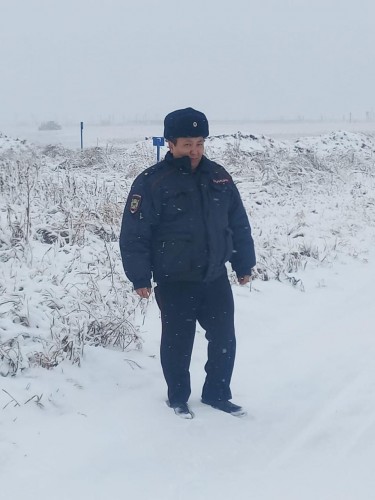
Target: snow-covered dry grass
[[81, 399]]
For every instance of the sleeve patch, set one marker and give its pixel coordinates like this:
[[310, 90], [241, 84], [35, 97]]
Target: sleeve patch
[[135, 203]]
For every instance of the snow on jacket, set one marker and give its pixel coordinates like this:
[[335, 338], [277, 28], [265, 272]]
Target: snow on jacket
[[180, 224]]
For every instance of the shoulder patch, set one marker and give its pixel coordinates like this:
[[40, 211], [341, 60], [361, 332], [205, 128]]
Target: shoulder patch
[[135, 203]]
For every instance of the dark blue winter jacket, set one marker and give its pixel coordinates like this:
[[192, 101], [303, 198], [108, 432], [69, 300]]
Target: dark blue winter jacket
[[183, 225]]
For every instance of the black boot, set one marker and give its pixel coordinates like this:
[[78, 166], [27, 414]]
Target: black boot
[[182, 410], [227, 407]]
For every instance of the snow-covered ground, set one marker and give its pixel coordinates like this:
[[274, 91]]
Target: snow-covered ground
[[305, 329]]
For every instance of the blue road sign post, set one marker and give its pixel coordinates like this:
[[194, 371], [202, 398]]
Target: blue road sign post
[[158, 142], [81, 135]]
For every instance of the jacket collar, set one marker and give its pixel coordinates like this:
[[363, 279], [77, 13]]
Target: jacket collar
[[184, 162]]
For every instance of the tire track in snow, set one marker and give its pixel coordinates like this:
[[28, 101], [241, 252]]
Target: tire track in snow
[[344, 413], [329, 428]]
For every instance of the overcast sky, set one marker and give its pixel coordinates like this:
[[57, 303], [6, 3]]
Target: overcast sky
[[233, 59]]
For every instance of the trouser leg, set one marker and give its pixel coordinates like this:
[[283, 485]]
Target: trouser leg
[[216, 316], [177, 303]]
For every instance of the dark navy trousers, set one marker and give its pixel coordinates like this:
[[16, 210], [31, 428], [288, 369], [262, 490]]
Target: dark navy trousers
[[182, 304]]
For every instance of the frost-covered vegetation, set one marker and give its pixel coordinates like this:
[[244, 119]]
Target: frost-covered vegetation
[[61, 280]]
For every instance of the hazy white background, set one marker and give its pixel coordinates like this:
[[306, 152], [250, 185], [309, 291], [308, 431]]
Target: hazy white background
[[121, 60]]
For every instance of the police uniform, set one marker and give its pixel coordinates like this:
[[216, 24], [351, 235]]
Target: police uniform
[[180, 227]]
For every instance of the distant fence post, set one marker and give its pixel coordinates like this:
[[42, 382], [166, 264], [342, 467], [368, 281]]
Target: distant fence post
[[81, 135], [158, 141]]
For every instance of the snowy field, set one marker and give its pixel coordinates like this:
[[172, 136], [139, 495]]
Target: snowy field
[[117, 135], [82, 397]]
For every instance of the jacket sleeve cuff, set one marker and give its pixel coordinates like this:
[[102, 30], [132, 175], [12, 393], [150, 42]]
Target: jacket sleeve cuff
[[142, 284], [248, 272]]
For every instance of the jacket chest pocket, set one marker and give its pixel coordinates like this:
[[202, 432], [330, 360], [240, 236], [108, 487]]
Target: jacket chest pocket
[[220, 198], [174, 204]]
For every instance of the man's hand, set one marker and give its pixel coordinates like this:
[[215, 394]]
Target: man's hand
[[144, 293], [242, 280]]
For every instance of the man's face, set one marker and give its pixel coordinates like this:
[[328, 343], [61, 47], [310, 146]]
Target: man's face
[[193, 147]]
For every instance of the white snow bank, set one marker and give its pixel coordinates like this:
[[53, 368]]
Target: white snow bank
[[310, 202]]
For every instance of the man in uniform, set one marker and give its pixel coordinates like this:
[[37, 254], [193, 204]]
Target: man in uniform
[[183, 221]]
